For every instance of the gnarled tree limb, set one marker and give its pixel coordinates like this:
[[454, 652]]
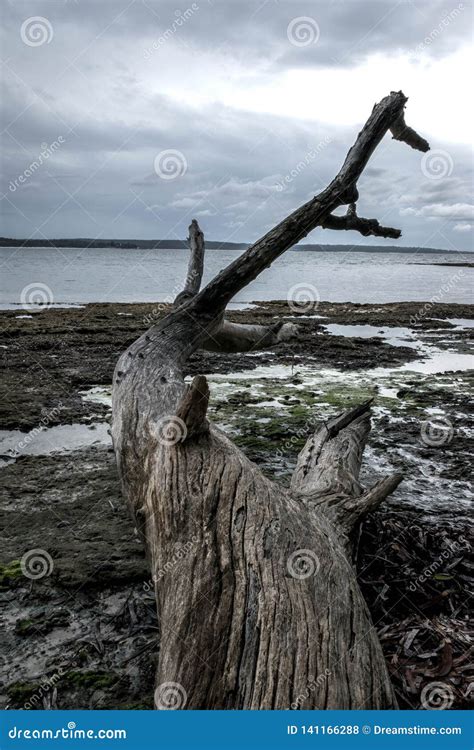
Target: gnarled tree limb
[[326, 477], [401, 132], [228, 336], [291, 230], [366, 227], [195, 266], [241, 337], [263, 609]]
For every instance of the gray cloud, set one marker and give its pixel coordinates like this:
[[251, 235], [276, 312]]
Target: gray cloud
[[116, 102]]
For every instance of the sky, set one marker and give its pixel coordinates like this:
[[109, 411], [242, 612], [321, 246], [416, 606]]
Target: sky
[[128, 118]]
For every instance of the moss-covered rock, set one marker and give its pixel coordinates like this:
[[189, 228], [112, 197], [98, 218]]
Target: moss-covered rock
[[42, 622], [99, 680], [10, 574], [19, 693]]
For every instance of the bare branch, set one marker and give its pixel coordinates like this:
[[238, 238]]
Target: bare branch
[[366, 227], [240, 337], [319, 469], [192, 284], [227, 336], [198, 317], [326, 477], [196, 260], [372, 497], [216, 295], [401, 132]]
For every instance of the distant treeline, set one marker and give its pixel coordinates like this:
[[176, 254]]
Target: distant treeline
[[127, 244], [211, 245]]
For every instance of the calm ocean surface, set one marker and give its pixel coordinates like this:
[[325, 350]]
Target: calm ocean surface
[[72, 275]]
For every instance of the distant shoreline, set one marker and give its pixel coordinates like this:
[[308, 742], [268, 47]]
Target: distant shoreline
[[465, 264], [83, 243]]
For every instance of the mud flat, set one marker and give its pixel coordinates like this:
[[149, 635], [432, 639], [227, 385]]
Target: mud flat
[[86, 634]]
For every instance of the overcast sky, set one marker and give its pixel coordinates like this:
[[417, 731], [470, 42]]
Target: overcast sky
[[125, 118]]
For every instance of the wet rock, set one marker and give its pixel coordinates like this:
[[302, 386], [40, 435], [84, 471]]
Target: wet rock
[[41, 621]]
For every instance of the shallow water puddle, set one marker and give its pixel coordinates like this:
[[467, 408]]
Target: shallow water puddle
[[98, 394], [38, 308], [302, 315], [391, 335], [442, 362], [462, 324], [435, 364], [261, 371], [42, 441], [241, 306]]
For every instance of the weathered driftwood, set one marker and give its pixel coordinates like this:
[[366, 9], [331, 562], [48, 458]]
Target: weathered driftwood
[[366, 227], [263, 609]]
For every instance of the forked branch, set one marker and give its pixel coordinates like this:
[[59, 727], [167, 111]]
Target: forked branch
[[366, 227], [227, 336], [206, 308], [326, 477], [386, 115]]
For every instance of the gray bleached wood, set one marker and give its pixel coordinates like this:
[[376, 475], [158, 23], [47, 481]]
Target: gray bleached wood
[[262, 610]]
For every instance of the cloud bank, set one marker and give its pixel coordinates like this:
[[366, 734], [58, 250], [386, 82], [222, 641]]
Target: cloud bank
[[232, 112]]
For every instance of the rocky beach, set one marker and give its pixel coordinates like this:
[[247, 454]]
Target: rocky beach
[[86, 634]]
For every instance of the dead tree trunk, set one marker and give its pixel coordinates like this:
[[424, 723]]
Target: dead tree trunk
[[263, 610]]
